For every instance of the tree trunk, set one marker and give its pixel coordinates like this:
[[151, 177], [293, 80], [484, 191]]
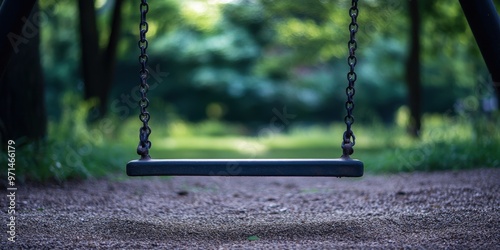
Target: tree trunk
[[22, 114], [413, 71], [98, 64]]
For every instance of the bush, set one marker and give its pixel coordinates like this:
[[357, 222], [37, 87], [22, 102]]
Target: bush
[[72, 149]]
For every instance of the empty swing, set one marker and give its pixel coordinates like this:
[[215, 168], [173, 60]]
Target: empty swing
[[338, 167]]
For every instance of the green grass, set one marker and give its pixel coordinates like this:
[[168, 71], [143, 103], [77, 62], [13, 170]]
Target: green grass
[[75, 150], [446, 143]]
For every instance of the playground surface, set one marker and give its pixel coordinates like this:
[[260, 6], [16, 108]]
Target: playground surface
[[451, 209]]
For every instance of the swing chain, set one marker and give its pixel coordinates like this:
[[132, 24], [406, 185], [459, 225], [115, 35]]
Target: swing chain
[[145, 130], [349, 140]]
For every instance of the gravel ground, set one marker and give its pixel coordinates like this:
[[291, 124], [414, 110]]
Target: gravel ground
[[417, 210]]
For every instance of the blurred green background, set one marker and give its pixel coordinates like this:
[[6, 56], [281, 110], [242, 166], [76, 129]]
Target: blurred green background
[[224, 71]]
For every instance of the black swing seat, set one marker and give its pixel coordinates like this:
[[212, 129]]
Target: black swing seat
[[246, 167]]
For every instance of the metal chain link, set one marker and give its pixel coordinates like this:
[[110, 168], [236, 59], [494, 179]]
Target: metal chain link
[[145, 130], [349, 140]]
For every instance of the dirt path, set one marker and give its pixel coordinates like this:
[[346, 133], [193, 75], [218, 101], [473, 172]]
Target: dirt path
[[419, 210]]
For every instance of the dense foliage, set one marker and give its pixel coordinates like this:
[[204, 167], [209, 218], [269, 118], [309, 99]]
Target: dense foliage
[[246, 57]]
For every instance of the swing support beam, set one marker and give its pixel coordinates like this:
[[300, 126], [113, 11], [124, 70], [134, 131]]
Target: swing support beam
[[246, 167], [484, 22]]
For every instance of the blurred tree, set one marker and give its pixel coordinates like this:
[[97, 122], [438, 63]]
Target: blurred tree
[[413, 70], [22, 112], [98, 63]]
